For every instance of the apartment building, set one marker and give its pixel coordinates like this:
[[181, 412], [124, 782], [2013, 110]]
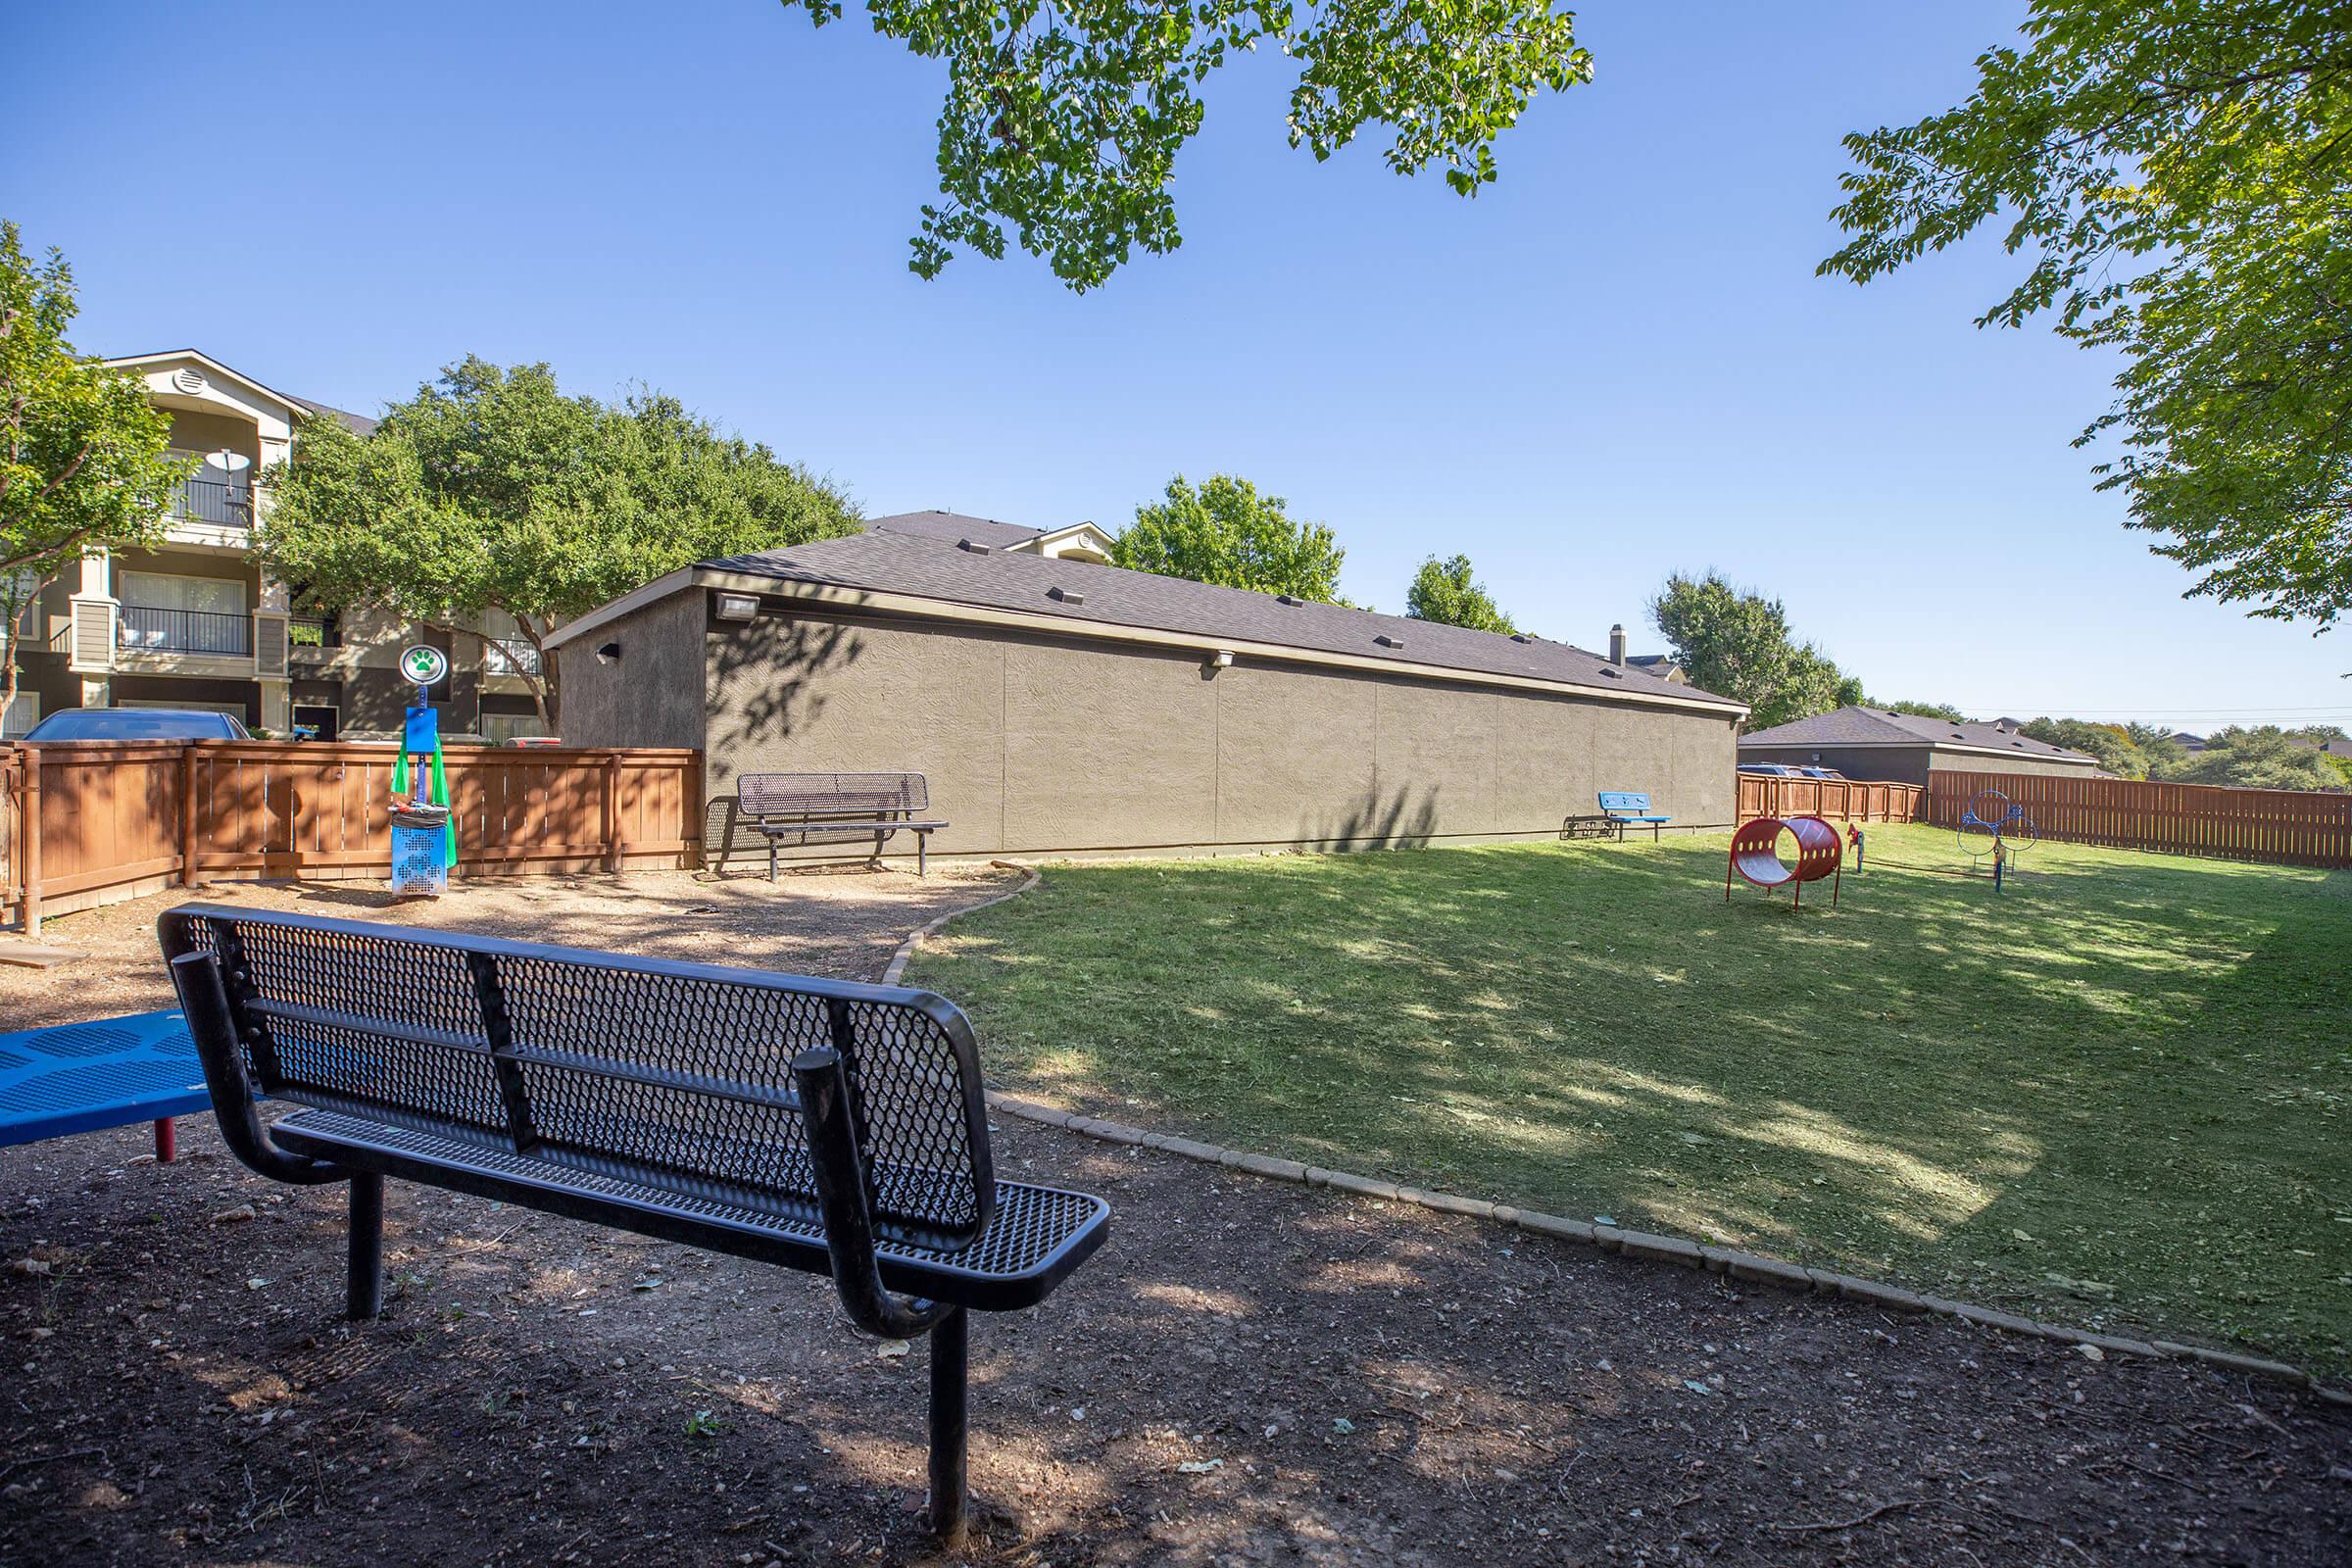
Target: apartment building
[[195, 622]]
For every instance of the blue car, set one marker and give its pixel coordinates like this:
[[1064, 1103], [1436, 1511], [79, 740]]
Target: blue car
[[137, 724]]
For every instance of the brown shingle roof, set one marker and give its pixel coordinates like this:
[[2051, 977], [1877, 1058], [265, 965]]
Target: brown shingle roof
[[885, 560], [1879, 726], [954, 526]]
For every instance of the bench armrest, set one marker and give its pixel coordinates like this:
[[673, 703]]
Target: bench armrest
[[203, 1002], [847, 1213]]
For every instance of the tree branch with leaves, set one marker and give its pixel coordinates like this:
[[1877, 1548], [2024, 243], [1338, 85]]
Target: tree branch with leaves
[[85, 459], [1062, 122], [2179, 174]]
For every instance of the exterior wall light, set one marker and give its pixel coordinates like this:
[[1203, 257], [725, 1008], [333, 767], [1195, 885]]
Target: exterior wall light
[[609, 653], [738, 607], [1222, 658]]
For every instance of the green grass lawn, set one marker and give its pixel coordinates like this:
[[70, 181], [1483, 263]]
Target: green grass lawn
[[2116, 1095]]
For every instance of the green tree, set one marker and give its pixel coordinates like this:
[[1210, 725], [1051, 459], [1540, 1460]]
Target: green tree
[[85, 458], [1445, 591], [1063, 125], [1226, 534], [2261, 759], [2157, 746], [2112, 744], [492, 490], [1737, 644], [2177, 171]]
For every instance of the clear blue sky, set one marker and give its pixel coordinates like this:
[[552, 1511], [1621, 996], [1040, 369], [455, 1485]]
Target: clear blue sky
[[1615, 363]]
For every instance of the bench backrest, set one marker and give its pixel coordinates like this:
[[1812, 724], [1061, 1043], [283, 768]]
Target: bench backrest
[[1628, 800], [865, 795], [670, 1075]]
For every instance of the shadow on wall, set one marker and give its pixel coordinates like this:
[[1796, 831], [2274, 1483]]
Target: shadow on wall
[[1398, 824], [765, 683]]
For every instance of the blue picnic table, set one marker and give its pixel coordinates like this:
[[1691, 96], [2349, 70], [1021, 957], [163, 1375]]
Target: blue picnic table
[[108, 1073]]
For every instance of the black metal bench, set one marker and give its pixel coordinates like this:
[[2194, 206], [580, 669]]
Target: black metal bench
[[822, 1125], [817, 808]]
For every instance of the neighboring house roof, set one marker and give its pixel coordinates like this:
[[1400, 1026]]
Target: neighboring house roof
[[356, 423], [2187, 741], [954, 526], [888, 568], [1879, 726], [1661, 665]]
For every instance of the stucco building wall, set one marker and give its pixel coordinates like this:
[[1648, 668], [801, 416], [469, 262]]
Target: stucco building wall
[[1035, 744]]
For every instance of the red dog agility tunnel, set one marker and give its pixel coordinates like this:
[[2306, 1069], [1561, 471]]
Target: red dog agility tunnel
[[1756, 855]]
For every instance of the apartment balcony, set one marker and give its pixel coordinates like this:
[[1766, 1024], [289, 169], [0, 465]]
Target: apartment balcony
[[154, 640], [145, 628], [217, 513], [508, 663]]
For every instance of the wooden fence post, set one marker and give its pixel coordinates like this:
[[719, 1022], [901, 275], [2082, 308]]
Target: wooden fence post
[[188, 814], [30, 831], [612, 812]]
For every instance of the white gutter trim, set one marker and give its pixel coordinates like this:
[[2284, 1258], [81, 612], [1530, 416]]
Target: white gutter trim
[[920, 608], [132, 361]]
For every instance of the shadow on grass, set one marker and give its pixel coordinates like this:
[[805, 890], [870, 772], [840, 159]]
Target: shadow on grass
[[2119, 1088]]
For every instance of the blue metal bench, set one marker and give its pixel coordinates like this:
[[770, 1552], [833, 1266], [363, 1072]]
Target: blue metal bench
[[1631, 807], [108, 1072]]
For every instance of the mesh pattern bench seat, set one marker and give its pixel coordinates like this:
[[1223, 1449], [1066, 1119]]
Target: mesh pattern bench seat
[[1014, 1264], [815, 1125], [822, 807]]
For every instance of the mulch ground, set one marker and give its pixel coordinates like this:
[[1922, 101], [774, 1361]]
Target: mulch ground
[[1251, 1372]]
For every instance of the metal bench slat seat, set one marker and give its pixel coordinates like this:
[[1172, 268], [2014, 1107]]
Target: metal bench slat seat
[[822, 807], [817, 1124], [1036, 1238]]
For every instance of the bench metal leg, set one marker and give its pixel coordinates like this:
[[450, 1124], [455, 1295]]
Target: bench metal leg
[[365, 1280], [167, 1142], [772, 857], [950, 1424], [922, 855]]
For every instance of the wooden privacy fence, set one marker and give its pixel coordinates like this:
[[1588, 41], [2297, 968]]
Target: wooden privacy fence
[[95, 823], [2279, 827], [1848, 800]]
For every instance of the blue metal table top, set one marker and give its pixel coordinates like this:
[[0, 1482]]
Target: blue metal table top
[[108, 1072]]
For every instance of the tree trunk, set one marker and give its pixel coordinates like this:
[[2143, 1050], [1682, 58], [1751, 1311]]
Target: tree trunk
[[544, 691]]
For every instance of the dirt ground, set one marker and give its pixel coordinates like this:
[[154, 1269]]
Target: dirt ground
[[1248, 1373]]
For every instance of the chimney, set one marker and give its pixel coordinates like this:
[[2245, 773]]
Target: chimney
[[1616, 645]]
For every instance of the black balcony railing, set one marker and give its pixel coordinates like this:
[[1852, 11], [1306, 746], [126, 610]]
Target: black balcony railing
[[314, 631], [225, 503], [509, 656], [147, 629]]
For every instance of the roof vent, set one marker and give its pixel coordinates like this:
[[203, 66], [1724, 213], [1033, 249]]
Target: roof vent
[[1065, 596], [1612, 671], [1956, 735], [973, 545], [1387, 641], [1521, 637], [1288, 599], [2020, 745]]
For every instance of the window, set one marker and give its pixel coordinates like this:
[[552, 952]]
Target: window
[[24, 710], [184, 614]]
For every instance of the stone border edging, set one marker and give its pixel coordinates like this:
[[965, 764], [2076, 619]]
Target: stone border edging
[[896, 969], [1739, 1265], [1747, 1266]]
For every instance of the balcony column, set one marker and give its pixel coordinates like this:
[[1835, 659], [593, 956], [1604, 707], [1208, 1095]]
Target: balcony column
[[92, 648], [270, 640]]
